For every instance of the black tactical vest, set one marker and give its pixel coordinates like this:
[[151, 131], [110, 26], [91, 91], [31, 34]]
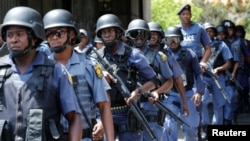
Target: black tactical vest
[[119, 63], [185, 63]]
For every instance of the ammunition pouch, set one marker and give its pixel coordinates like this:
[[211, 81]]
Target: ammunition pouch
[[133, 123], [119, 109], [4, 131]]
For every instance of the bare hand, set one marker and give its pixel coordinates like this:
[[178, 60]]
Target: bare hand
[[98, 131]]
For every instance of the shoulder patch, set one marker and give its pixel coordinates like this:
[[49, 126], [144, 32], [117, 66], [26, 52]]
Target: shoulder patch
[[163, 56], [98, 70]]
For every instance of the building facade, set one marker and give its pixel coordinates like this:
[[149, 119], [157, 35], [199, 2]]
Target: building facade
[[86, 12]]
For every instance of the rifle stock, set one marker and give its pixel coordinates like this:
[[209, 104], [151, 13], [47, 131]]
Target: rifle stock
[[215, 78], [236, 82], [125, 93], [165, 109]]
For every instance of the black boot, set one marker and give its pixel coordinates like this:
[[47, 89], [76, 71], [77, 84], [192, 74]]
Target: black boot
[[227, 122]]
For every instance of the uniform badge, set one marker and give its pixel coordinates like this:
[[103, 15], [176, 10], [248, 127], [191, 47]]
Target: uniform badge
[[163, 56], [98, 71]]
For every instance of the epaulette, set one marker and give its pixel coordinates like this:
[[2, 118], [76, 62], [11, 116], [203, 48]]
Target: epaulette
[[163, 56], [98, 70]]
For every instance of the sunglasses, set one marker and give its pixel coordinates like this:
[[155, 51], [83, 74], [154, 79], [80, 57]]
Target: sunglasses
[[58, 33], [170, 40], [134, 34]]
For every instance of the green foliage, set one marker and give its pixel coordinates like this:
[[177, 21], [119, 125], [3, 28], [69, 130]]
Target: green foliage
[[164, 12]]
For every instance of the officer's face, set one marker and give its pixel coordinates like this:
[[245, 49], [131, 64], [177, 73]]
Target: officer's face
[[155, 38], [56, 36], [17, 38], [221, 36], [108, 35], [185, 16], [210, 32], [173, 42]]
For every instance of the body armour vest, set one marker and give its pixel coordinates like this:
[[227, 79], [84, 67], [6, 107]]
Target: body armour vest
[[216, 58], [150, 55], [84, 97], [30, 107], [184, 59], [119, 63], [191, 39]]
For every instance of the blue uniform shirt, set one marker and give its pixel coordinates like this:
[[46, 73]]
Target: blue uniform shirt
[[194, 37], [161, 63], [173, 64]]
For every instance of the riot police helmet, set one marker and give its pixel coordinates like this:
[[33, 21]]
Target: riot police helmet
[[207, 25], [26, 17], [173, 31], [156, 27], [59, 18], [239, 29], [173, 34], [138, 28], [228, 24], [106, 21]]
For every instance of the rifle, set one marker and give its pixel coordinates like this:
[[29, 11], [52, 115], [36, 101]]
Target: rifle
[[125, 93], [236, 82], [218, 84], [165, 109]]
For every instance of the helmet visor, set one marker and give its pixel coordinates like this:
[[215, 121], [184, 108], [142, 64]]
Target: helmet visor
[[134, 34], [171, 40]]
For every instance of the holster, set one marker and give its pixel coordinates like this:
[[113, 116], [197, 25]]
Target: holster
[[133, 123]]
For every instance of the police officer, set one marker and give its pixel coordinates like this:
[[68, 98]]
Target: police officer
[[88, 81], [219, 62], [128, 62], [237, 71], [240, 32], [138, 32], [156, 42], [35, 91], [194, 35], [98, 43], [192, 80]]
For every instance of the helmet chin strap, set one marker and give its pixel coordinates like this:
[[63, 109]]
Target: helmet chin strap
[[59, 49]]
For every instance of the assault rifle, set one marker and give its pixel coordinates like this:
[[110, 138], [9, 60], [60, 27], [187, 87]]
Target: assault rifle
[[236, 82], [125, 93], [165, 109], [218, 84]]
